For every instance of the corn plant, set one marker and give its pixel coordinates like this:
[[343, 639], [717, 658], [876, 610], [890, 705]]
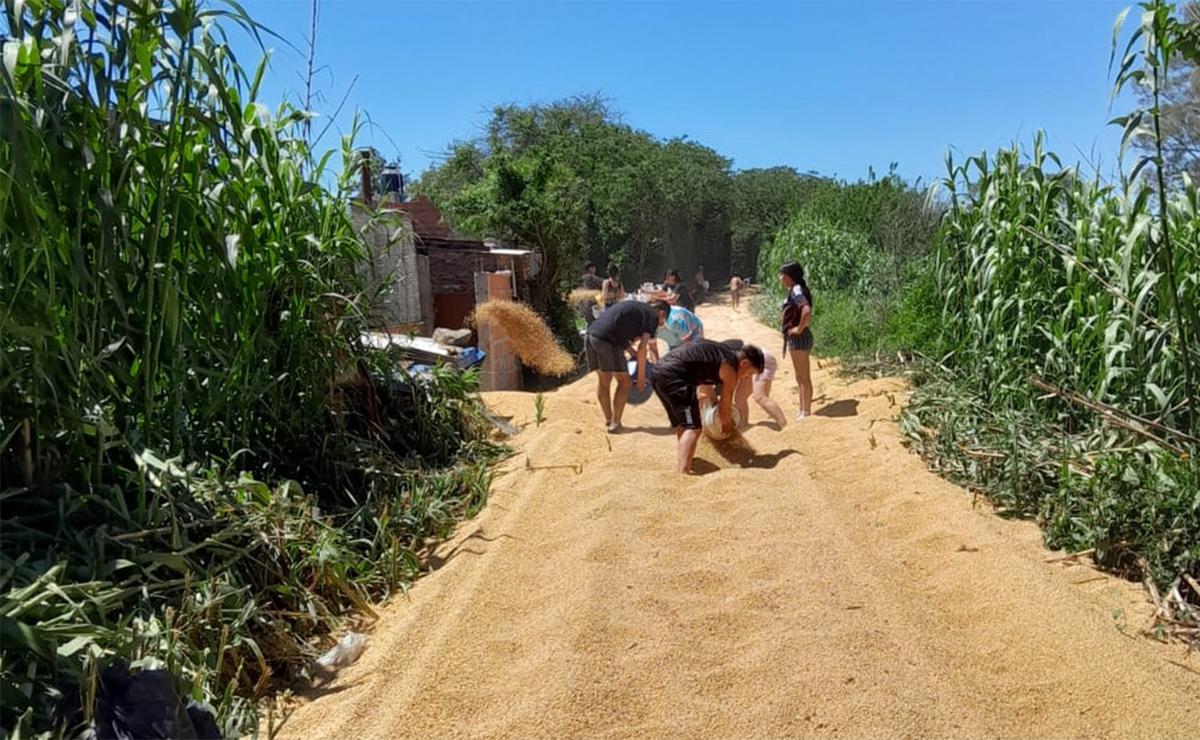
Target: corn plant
[[539, 408], [179, 311], [1069, 321]]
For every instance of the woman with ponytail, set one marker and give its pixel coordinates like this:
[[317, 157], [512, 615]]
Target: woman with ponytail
[[797, 334]]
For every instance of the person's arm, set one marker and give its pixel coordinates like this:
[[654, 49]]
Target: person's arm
[[729, 381], [643, 348], [805, 317], [620, 292]]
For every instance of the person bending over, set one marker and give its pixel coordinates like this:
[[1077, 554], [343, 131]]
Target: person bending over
[[682, 327], [619, 326], [680, 374], [758, 388]]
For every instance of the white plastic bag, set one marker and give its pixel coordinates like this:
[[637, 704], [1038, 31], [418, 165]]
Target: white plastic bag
[[348, 650]]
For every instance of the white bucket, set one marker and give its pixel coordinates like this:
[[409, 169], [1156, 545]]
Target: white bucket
[[711, 420]]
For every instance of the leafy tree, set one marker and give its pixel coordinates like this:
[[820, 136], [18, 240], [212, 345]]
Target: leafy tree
[[1179, 102], [531, 199], [762, 202], [608, 192]]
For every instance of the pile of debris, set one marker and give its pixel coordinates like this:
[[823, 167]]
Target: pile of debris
[[449, 346]]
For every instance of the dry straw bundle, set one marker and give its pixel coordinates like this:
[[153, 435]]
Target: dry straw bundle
[[583, 296], [529, 336]]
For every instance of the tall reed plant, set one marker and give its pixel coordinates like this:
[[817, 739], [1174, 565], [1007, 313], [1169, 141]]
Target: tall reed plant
[[199, 466]]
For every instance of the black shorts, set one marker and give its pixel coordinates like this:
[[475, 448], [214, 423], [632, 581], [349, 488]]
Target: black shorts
[[605, 356], [804, 342], [679, 399]]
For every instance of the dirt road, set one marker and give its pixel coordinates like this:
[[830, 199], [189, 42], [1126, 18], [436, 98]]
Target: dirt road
[[831, 586]]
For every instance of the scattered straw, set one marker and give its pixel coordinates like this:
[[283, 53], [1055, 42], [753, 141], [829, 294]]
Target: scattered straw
[[529, 336]]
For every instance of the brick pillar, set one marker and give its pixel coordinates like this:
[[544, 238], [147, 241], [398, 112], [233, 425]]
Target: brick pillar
[[501, 370]]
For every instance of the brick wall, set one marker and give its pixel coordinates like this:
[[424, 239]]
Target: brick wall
[[453, 270]]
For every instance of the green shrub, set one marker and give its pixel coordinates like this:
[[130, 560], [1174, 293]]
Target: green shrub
[[865, 300], [915, 324], [833, 259], [1132, 503]]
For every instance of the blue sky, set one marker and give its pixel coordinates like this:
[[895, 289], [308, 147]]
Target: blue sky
[[834, 87]]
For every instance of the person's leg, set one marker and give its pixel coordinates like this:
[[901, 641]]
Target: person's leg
[[624, 385], [762, 396], [794, 354], [615, 365], [741, 400], [604, 394], [804, 377], [688, 440]]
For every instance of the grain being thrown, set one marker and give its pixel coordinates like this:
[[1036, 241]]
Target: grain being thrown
[[734, 449], [528, 334], [580, 296]]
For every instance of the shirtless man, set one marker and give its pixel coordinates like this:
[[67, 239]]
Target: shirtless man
[[735, 291]]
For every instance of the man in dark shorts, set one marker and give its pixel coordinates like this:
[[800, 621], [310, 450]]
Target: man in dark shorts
[[608, 338], [682, 371]]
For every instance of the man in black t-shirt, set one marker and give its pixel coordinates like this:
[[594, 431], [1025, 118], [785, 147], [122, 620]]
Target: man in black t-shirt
[[608, 338], [679, 374]]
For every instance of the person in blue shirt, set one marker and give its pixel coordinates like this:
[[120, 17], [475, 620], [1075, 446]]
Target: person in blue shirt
[[681, 327]]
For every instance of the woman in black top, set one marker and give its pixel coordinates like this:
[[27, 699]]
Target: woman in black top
[[797, 334], [612, 290]]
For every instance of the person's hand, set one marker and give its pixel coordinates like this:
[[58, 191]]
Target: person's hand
[[726, 423]]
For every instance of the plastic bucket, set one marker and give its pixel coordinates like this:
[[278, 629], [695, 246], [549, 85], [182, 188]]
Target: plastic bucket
[[635, 396], [711, 420]]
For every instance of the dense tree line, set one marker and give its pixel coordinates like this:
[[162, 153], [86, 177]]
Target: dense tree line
[[570, 179]]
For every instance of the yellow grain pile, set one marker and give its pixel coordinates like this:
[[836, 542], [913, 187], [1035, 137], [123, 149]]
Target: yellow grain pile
[[735, 449], [530, 338], [583, 296]]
